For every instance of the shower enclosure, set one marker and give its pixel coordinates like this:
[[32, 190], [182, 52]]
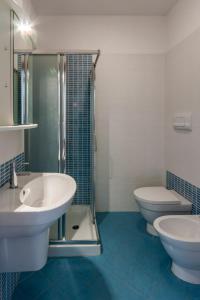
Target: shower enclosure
[[57, 91]]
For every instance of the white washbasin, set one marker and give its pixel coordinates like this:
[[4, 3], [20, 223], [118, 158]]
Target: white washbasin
[[48, 191], [26, 213]]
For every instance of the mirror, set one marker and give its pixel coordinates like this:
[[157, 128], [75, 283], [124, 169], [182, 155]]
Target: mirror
[[5, 110], [22, 72]]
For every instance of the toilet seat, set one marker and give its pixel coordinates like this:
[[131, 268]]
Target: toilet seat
[[157, 201], [157, 195]]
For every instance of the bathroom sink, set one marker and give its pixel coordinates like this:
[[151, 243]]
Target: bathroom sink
[[26, 213], [48, 191]]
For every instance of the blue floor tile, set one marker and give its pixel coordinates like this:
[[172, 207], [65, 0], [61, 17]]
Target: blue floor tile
[[134, 266]]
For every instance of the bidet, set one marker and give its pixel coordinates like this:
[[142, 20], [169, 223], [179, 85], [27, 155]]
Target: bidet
[[180, 236]]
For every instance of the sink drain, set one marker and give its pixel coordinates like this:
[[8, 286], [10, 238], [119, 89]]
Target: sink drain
[[75, 227]]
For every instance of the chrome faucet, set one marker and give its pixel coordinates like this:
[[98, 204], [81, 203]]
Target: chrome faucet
[[13, 176]]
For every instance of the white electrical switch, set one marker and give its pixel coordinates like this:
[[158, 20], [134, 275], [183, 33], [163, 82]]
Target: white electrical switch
[[182, 121]]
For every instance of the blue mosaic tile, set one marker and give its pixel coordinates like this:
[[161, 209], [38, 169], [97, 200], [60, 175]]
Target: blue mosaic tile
[[194, 197], [79, 118], [5, 168], [8, 281], [198, 202], [186, 189]]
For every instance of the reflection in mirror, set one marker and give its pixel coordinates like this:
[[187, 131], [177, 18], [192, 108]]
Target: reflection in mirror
[[16, 113], [22, 34], [22, 89], [22, 72]]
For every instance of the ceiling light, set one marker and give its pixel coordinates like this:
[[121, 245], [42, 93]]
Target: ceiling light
[[25, 27]]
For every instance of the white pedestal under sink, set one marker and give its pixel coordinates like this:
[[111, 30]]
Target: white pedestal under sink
[[26, 213]]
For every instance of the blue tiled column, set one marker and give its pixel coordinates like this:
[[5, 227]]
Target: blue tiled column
[[79, 125]]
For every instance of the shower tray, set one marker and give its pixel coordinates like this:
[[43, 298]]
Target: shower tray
[[81, 237]]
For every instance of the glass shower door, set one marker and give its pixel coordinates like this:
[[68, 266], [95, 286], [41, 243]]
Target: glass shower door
[[42, 144], [63, 107]]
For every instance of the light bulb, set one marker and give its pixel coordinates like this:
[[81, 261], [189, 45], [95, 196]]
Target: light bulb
[[25, 27]]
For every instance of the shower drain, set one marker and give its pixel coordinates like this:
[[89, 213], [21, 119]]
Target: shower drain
[[75, 227]]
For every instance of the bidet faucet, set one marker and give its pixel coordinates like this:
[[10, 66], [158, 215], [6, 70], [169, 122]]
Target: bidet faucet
[[13, 176]]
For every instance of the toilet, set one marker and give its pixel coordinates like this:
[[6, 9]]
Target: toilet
[[180, 236], [158, 201]]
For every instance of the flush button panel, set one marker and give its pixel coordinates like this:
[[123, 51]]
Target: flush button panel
[[182, 121]]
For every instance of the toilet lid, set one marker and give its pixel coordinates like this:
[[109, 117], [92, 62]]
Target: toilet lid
[[156, 195]]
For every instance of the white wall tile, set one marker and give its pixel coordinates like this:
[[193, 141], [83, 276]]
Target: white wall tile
[[182, 21], [183, 93], [11, 144], [111, 34], [130, 102], [5, 97]]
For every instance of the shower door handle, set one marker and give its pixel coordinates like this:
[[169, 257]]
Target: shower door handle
[[95, 143], [63, 112], [63, 156], [64, 150]]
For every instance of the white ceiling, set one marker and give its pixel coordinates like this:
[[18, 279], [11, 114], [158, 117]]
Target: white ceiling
[[103, 7]]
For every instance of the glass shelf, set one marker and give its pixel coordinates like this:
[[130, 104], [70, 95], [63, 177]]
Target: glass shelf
[[17, 127]]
